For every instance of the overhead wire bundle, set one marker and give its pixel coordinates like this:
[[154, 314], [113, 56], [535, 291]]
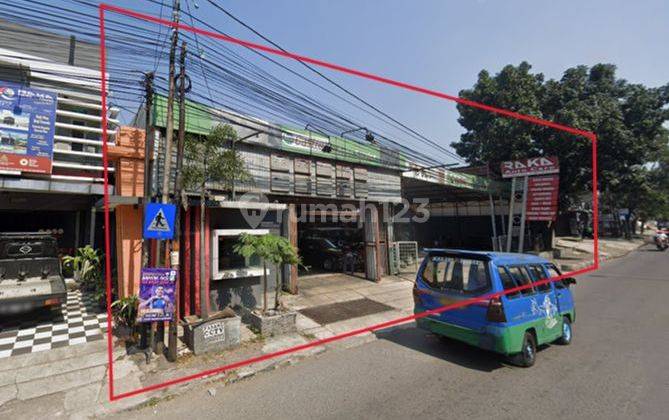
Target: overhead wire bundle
[[249, 83]]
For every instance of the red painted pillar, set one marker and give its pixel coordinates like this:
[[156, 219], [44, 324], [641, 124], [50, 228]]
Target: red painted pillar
[[186, 268], [196, 259], [207, 256]]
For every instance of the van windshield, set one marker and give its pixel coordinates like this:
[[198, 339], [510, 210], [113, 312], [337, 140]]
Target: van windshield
[[456, 274]]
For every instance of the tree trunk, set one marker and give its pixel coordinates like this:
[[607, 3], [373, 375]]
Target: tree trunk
[[277, 290], [264, 287]]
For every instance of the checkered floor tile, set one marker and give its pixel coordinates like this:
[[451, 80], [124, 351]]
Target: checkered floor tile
[[79, 320]]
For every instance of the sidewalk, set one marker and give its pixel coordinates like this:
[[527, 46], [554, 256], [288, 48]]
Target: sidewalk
[[577, 253]]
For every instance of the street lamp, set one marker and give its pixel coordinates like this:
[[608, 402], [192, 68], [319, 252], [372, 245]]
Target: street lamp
[[368, 134], [327, 148]]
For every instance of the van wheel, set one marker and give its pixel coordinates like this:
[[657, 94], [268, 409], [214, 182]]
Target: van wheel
[[528, 352], [567, 334]]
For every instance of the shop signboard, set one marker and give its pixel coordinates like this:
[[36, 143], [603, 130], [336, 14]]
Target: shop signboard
[[156, 295], [542, 165], [542, 197], [27, 127]]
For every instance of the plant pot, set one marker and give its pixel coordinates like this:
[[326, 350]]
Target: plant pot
[[275, 322], [221, 331]]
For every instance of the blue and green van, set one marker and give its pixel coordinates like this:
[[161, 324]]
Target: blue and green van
[[510, 323]]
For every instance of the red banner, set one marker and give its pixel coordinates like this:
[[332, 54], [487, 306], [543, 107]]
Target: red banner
[[542, 197], [14, 162]]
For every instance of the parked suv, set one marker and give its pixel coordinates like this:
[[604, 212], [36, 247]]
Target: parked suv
[[30, 273], [512, 324]]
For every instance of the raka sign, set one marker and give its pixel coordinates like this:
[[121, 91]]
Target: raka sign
[[530, 166]]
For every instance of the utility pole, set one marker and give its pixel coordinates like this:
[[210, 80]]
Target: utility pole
[[148, 332], [178, 187], [148, 153], [169, 126], [169, 134]]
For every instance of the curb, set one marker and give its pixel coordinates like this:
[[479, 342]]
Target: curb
[[608, 257]]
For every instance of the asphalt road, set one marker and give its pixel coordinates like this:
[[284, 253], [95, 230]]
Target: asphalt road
[[616, 367]]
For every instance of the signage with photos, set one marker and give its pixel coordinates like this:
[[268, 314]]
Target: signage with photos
[[27, 128], [156, 294]]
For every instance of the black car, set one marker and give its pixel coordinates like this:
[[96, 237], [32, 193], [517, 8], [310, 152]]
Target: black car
[[30, 272], [326, 254]]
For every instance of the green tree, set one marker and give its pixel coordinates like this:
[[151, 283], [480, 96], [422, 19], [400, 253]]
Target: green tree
[[627, 118], [207, 162], [269, 248]]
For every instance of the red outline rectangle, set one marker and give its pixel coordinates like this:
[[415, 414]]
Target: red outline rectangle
[[503, 112]]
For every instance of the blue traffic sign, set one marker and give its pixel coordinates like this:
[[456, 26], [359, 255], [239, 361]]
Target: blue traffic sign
[[159, 221]]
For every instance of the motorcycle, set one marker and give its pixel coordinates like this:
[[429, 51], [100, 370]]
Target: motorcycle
[[661, 240]]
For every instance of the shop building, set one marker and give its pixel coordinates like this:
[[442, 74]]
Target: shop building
[[55, 182], [319, 191]]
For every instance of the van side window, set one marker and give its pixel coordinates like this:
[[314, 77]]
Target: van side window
[[522, 279], [554, 272], [537, 273], [507, 281]]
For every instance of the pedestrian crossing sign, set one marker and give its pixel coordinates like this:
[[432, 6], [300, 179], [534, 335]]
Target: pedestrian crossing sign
[[159, 221]]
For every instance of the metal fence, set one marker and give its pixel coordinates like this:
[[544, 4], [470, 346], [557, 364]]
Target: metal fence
[[403, 257]]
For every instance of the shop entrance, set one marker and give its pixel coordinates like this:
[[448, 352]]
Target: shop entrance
[[68, 218], [330, 241]]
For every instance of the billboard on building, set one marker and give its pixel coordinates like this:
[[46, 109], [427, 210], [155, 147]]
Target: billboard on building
[[27, 126]]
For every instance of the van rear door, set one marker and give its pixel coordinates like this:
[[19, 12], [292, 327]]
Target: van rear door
[[451, 278]]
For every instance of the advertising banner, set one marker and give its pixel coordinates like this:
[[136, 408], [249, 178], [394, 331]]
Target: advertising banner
[[156, 294], [531, 166], [542, 197], [27, 126]]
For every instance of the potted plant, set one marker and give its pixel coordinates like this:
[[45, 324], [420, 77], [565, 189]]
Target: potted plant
[[124, 312], [277, 250], [86, 267]]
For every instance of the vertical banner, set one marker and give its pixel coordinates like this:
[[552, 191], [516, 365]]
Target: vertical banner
[[542, 197], [27, 127], [156, 295]]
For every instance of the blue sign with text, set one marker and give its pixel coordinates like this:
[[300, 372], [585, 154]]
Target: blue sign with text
[[27, 127], [159, 221]]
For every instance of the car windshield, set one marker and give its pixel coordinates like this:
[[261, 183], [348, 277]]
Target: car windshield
[[456, 274]]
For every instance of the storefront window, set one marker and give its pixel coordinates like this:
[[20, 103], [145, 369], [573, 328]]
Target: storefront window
[[229, 259]]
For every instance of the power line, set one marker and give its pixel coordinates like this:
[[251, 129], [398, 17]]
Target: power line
[[233, 17]]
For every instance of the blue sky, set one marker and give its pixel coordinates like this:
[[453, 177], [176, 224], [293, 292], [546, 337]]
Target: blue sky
[[443, 44]]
